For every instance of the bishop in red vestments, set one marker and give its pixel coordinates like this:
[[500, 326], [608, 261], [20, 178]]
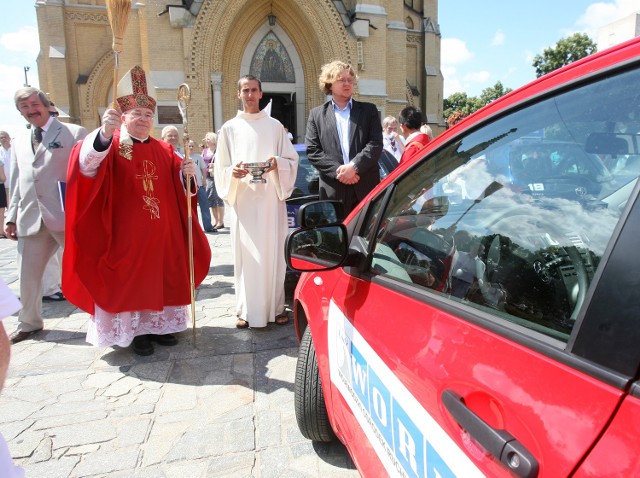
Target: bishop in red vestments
[[126, 259]]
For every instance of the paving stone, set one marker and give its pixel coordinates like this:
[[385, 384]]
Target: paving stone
[[177, 398], [268, 430], [14, 410], [198, 444], [273, 461], [239, 436], [121, 387], [68, 355], [23, 445], [78, 396], [133, 431], [106, 463], [82, 449], [235, 465], [29, 394], [61, 409], [12, 429], [83, 433], [59, 468], [43, 452], [42, 374], [69, 419], [160, 442], [151, 472], [155, 372], [191, 468], [19, 361], [101, 380]]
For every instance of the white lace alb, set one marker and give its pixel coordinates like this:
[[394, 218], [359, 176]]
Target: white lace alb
[[107, 329]]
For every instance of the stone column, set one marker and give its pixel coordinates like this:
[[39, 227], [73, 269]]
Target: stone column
[[216, 83]]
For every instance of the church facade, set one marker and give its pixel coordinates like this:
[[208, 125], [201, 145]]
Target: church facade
[[208, 44]]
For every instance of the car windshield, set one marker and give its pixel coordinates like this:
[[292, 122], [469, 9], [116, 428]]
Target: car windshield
[[515, 216]]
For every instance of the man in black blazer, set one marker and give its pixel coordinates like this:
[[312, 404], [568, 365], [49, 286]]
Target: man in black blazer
[[344, 139]]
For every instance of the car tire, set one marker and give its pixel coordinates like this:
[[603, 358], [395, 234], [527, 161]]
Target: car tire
[[311, 410]]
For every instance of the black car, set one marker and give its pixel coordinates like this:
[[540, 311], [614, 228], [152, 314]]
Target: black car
[[306, 190], [306, 187]]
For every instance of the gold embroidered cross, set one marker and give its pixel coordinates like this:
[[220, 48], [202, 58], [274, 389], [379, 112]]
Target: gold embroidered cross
[[151, 203]]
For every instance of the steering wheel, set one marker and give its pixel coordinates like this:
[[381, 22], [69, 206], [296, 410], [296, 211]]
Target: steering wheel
[[508, 227]]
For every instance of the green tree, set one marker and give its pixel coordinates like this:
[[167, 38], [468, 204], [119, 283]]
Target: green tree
[[566, 51], [468, 104], [460, 102], [493, 93]]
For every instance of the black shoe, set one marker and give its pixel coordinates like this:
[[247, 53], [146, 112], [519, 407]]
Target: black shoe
[[57, 297], [20, 335], [142, 345], [165, 339]]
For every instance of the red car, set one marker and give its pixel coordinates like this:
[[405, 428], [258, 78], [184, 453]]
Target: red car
[[478, 314]]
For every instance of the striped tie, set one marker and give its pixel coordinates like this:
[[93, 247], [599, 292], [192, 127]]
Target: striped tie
[[36, 139]]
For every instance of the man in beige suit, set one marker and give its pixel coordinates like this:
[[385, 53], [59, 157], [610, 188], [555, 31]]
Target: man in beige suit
[[35, 217]]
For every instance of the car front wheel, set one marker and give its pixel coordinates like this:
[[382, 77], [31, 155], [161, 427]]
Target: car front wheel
[[311, 411]]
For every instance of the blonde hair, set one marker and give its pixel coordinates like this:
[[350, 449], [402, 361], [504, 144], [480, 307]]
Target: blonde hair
[[426, 129], [330, 73], [211, 136], [388, 121]]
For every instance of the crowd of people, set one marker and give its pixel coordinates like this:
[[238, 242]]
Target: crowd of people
[[111, 246]]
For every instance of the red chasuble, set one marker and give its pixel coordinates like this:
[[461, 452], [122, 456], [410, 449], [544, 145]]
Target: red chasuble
[[126, 242]]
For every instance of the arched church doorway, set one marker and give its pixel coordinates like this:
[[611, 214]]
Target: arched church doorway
[[283, 108]]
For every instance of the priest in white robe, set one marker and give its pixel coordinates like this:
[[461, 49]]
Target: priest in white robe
[[257, 212]]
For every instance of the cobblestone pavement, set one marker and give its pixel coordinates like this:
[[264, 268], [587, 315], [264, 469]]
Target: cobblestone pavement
[[221, 408]]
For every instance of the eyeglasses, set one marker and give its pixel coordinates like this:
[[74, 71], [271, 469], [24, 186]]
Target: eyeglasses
[[140, 114], [346, 81]]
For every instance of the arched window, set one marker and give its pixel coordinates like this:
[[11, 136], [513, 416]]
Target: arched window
[[271, 62]]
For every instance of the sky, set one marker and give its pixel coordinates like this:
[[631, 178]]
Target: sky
[[482, 42], [486, 42], [18, 49]]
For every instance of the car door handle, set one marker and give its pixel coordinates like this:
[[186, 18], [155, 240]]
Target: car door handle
[[500, 443]]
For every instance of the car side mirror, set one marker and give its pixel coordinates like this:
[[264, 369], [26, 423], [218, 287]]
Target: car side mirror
[[317, 248], [320, 213]]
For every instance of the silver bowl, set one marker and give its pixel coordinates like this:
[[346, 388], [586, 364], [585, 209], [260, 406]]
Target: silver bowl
[[257, 170]]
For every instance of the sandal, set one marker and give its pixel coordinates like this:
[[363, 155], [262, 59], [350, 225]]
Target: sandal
[[56, 297], [282, 319], [242, 324]]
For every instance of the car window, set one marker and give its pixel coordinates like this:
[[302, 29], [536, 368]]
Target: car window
[[307, 180], [514, 217], [387, 163]]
